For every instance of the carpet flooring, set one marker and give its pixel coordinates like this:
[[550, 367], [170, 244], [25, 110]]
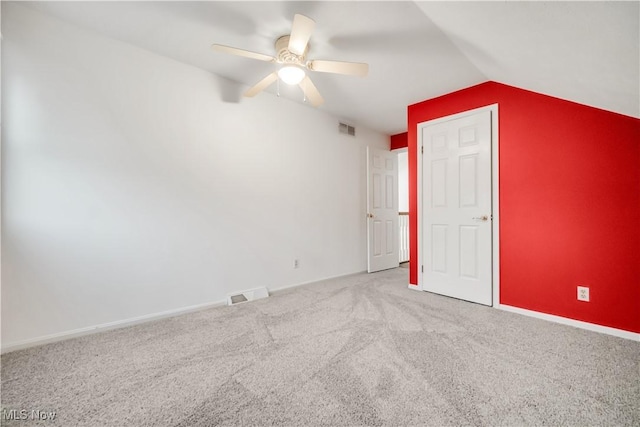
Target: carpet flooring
[[359, 350]]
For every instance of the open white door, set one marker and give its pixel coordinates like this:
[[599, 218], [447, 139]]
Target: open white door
[[457, 207], [382, 205]]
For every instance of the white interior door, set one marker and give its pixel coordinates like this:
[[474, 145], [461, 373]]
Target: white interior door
[[456, 208], [382, 205]]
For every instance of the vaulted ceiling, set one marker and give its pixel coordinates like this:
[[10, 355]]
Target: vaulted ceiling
[[588, 52]]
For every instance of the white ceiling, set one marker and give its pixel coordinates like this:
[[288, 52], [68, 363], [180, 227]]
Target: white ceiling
[[587, 52]]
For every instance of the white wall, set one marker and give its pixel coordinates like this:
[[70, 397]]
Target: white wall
[[130, 187]]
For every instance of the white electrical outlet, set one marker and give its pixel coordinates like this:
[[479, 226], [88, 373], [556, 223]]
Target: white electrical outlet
[[296, 263], [583, 293]]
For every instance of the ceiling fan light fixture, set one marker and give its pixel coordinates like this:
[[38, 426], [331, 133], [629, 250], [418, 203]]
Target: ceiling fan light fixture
[[291, 59], [291, 74]]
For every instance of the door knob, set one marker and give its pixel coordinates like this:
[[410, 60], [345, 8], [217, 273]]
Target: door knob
[[370, 215], [482, 218]]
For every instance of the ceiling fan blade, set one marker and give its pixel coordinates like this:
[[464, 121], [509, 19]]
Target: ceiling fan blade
[[261, 85], [349, 68], [242, 52], [311, 92], [300, 33]]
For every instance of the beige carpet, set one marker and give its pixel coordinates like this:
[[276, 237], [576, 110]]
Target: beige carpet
[[362, 350]]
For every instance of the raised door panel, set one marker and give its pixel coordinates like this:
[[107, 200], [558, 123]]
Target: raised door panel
[[383, 210], [456, 183]]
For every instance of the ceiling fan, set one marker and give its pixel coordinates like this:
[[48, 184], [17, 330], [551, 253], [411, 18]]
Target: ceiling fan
[[291, 53]]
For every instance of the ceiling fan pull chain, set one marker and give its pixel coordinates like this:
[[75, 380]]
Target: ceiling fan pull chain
[[278, 88]]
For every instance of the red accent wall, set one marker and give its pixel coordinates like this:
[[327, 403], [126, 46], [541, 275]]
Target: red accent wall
[[399, 141], [569, 202]]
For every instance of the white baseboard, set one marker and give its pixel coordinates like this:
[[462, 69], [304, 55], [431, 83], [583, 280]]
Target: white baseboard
[[620, 333], [46, 339], [60, 336], [572, 322], [295, 285]]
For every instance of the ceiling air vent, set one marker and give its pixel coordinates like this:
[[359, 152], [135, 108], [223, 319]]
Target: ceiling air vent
[[346, 129]]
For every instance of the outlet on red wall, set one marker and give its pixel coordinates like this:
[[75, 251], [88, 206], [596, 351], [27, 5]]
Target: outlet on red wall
[[569, 202]]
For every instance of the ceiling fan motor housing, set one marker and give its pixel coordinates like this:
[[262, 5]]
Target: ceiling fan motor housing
[[291, 54], [285, 56]]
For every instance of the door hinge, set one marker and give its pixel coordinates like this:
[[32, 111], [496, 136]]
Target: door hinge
[[422, 268], [422, 149]]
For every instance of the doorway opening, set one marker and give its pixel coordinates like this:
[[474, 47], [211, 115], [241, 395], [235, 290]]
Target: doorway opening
[[403, 207]]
